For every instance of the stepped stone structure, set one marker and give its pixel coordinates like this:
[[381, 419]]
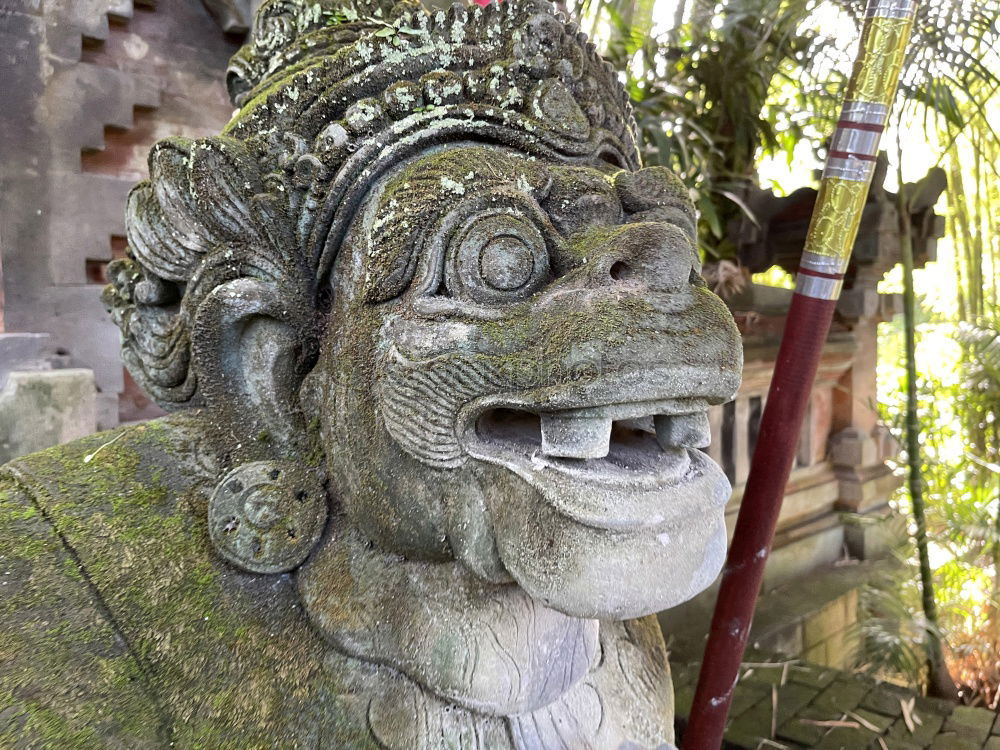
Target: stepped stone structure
[[87, 88], [439, 358]]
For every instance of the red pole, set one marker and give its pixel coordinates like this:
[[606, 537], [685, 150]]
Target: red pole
[[839, 203], [794, 371]]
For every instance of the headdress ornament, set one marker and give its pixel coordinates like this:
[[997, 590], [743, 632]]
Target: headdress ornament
[[331, 96]]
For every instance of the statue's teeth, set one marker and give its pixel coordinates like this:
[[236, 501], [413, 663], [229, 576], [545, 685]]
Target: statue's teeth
[[688, 430], [575, 437]]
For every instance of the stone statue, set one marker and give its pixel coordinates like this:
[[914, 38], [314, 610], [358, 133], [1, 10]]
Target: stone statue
[[439, 357]]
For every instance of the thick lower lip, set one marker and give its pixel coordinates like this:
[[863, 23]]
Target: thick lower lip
[[629, 466]]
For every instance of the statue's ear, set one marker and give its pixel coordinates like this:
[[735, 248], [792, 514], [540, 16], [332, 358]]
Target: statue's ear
[[252, 348]]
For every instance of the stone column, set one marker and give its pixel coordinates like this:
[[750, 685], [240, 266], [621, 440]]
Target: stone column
[[859, 443], [859, 449]]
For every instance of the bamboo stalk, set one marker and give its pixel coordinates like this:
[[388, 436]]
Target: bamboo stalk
[[940, 682], [836, 216]]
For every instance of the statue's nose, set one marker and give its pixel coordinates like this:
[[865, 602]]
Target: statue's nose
[[658, 255]]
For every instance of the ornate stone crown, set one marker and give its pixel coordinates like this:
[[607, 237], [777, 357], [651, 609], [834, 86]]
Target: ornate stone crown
[[331, 97]]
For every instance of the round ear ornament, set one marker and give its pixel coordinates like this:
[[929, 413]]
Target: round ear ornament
[[266, 516]]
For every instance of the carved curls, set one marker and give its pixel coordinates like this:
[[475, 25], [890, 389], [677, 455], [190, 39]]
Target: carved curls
[[203, 218]]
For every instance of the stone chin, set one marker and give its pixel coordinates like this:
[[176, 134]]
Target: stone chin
[[590, 572]]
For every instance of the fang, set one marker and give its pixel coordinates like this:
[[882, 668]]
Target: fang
[[687, 430]]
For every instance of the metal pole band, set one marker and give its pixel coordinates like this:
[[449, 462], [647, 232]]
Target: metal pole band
[[858, 142], [818, 287], [860, 114], [891, 9], [823, 264]]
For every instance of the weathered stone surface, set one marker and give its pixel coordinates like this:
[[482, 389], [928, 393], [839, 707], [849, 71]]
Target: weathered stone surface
[[812, 675], [820, 713], [894, 743], [954, 741], [792, 698], [881, 721], [748, 729], [785, 640], [42, 408], [829, 621], [419, 296], [845, 738], [969, 722], [843, 694], [939, 706], [922, 735], [817, 654], [59, 645], [21, 351], [748, 697], [234, 16], [885, 699], [841, 648], [802, 728]]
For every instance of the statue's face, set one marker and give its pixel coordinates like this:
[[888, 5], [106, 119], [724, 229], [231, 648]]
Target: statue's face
[[517, 372]]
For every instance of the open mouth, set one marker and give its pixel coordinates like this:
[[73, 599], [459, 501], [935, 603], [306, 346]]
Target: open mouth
[[615, 442], [609, 466]]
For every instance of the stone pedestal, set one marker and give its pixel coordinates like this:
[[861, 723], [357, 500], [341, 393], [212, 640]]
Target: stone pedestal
[[41, 403]]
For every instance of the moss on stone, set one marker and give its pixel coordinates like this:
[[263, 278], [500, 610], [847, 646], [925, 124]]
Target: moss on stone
[[67, 680], [231, 657]]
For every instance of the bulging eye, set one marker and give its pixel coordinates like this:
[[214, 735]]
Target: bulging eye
[[498, 257], [506, 263]]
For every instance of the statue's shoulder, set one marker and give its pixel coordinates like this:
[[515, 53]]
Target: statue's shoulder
[[166, 455], [58, 643], [123, 501], [220, 657]]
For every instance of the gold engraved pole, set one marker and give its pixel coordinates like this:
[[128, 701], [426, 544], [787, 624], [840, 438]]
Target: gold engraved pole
[[851, 160]]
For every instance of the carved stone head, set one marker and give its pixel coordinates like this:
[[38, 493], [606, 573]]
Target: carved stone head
[[423, 259]]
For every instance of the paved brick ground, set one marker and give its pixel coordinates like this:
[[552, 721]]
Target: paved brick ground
[[799, 705]]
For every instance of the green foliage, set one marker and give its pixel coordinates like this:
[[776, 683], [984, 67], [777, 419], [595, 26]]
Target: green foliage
[[958, 396], [890, 638], [982, 370], [736, 80], [704, 99], [952, 53]]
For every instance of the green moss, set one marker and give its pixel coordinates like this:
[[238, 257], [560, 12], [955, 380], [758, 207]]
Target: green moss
[[554, 334], [231, 656], [57, 647], [71, 570], [315, 451], [46, 727]]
